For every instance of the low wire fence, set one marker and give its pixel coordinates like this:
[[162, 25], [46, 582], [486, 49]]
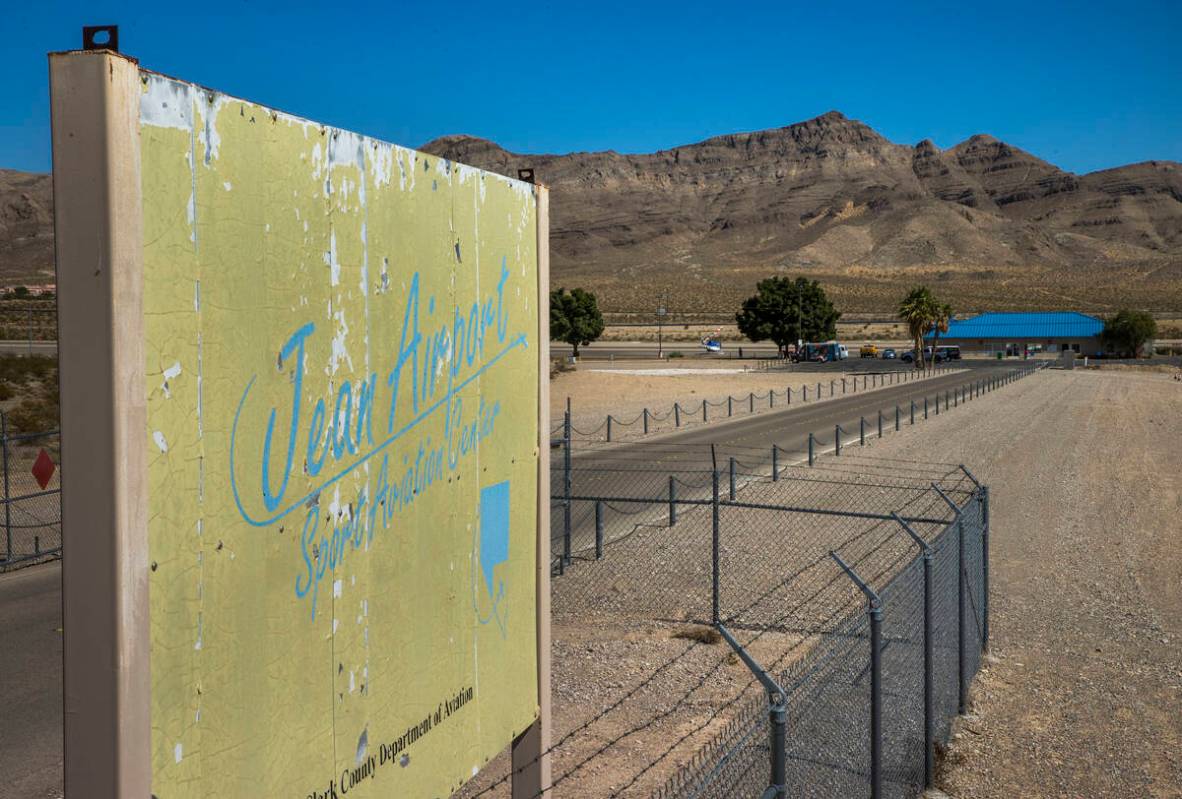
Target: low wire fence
[[28, 320], [617, 427], [32, 515]]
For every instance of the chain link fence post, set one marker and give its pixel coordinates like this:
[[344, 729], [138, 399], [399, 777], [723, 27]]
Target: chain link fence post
[[862, 431], [812, 446], [715, 551], [672, 501], [609, 428], [775, 463], [645, 415], [704, 418], [566, 489], [677, 414], [599, 529], [7, 493], [961, 637], [732, 464], [874, 611], [880, 422], [837, 440], [929, 696], [985, 567]]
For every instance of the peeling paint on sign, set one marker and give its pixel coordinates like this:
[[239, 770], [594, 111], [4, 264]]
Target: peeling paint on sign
[[325, 322]]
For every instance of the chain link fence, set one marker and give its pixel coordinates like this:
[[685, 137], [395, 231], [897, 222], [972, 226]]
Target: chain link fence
[[850, 591], [32, 515], [873, 696], [647, 692]]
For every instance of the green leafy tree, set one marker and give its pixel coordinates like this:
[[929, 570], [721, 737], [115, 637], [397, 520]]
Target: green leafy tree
[[1128, 331], [920, 311], [785, 310], [574, 318]]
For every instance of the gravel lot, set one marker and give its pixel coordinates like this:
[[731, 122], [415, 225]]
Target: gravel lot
[[1082, 696]]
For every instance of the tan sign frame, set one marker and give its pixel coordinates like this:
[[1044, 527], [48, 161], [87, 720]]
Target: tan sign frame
[[95, 97]]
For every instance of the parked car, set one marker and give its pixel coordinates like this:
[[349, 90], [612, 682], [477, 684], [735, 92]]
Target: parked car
[[888, 354], [939, 357], [868, 351], [951, 351]]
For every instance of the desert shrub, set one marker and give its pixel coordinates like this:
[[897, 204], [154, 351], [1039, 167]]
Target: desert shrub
[[703, 635]]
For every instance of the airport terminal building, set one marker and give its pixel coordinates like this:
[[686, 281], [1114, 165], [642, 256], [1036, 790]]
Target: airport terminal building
[[1018, 333]]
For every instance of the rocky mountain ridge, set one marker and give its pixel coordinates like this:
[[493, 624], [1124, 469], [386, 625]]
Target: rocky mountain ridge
[[985, 223], [833, 199]]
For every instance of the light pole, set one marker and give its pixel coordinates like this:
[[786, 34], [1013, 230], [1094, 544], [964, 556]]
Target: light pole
[[660, 319], [799, 324]]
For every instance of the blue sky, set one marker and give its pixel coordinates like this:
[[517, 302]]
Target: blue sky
[[1085, 85]]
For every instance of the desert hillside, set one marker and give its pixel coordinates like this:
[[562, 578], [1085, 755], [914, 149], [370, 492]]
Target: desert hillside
[[26, 228], [985, 223]]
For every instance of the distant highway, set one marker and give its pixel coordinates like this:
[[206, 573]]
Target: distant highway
[[27, 347]]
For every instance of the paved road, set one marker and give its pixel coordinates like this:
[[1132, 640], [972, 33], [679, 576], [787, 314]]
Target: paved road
[[789, 428], [641, 469], [31, 682]]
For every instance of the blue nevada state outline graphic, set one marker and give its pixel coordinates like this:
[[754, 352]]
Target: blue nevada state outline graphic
[[491, 550]]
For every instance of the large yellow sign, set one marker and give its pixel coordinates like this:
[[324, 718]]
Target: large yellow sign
[[342, 424]]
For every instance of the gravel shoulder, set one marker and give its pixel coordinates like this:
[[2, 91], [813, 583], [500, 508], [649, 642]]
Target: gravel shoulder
[[1083, 693]]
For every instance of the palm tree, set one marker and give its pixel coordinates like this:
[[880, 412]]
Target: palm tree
[[940, 324], [919, 310]]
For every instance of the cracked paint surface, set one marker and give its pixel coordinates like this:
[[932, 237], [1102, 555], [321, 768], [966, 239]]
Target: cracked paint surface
[[327, 616]]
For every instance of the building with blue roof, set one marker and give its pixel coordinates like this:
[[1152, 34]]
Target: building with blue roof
[[1018, 333]]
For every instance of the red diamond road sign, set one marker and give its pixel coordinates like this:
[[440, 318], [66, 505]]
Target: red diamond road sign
[[43, 469]]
